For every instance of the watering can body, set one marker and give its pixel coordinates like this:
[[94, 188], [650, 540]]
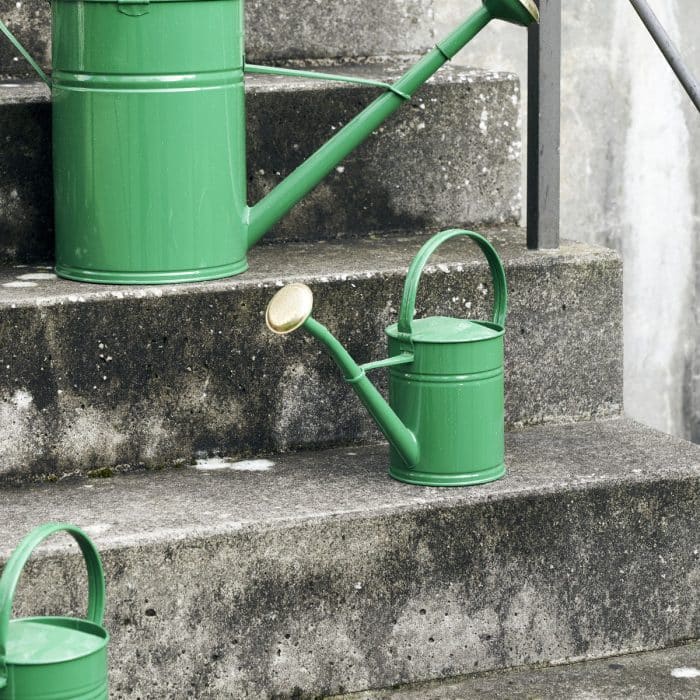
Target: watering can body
[[451, 398], [149, 135], [149, 140], [53, 658], [444, 418]]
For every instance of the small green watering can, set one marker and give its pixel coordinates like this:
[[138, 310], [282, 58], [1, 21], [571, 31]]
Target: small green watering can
[[53, 658], [444, 419], [149, 135]]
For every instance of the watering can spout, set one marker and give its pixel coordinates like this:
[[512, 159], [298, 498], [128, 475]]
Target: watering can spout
[[290, 309], [263, 215]]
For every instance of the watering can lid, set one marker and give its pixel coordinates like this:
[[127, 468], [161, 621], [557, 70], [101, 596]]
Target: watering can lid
[[38, 641], [445, 329]]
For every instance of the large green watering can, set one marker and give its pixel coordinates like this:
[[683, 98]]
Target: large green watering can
[[53, 658], [149, 135], [444, 419]]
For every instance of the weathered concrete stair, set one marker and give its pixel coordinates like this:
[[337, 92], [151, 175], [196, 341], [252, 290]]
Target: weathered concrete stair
[[275, 31], [320, 574], [96, 376], [461, 130], [314, 573], [666, 674]]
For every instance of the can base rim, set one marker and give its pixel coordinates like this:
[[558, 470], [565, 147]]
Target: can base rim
[[410, 476], [171, 277]]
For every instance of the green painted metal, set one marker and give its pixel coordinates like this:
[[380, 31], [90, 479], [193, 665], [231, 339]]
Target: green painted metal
[[149, 136], [53, 658], [25, 54], [444, 419], [402, 440], [314, 75]]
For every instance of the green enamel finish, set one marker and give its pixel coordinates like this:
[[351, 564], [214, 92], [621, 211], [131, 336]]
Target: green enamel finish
[[451, 395], [446, 329], [444, 418], [402, 440], [149, 142], [53, 658], [451, 398], [42, 640], [149, 136]]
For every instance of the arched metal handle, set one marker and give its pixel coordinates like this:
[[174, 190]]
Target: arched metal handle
[[498, 275], [15, 565]]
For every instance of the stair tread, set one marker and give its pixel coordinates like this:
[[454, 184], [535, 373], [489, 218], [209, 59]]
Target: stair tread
[[384, 69], [110, 375], [279, 263], [196, 502], [462, 128], [297, 30], [665, 674]]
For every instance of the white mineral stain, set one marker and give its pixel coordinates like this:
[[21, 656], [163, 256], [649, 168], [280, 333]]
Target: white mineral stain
[[483, 122], [686, 672], [22, 399], [245, 465], [37, 276], [18, 284], [97, 528]]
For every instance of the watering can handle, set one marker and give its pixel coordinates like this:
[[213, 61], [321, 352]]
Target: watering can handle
[[15, 564], [498, 275]]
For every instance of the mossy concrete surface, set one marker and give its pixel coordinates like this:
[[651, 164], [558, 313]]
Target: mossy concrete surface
[[312, 574], [101, 376]]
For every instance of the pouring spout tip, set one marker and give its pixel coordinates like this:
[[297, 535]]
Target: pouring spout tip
[[289, 308]]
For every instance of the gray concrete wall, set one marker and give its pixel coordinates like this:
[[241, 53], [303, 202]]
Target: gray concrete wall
[[630, 179]]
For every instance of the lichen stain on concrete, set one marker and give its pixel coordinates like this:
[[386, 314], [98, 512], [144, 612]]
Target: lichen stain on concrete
[[430, 622], [298, 385], [19, 418], [536, 624], [88, 435]]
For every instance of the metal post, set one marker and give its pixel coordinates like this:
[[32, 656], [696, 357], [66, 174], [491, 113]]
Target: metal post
[[543, 108], [669, 50]]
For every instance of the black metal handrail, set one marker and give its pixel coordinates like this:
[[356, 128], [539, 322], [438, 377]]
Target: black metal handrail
[[669, 50], [543, 130]]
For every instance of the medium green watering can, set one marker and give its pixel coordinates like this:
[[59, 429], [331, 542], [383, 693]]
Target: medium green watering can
[[53, 658], [149, 135], [444, 419]]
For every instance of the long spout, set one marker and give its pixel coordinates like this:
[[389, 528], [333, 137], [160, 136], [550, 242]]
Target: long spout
[[301, 181], [290, 309]]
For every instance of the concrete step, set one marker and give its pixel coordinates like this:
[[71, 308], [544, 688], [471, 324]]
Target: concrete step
[[450, 157], [667, 674], [318, 574], [100, 376], [274, 30]]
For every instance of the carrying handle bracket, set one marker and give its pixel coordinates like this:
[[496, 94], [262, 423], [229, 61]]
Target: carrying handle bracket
[[498, 275], [314, 75], [13, 570], [25, 54]]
